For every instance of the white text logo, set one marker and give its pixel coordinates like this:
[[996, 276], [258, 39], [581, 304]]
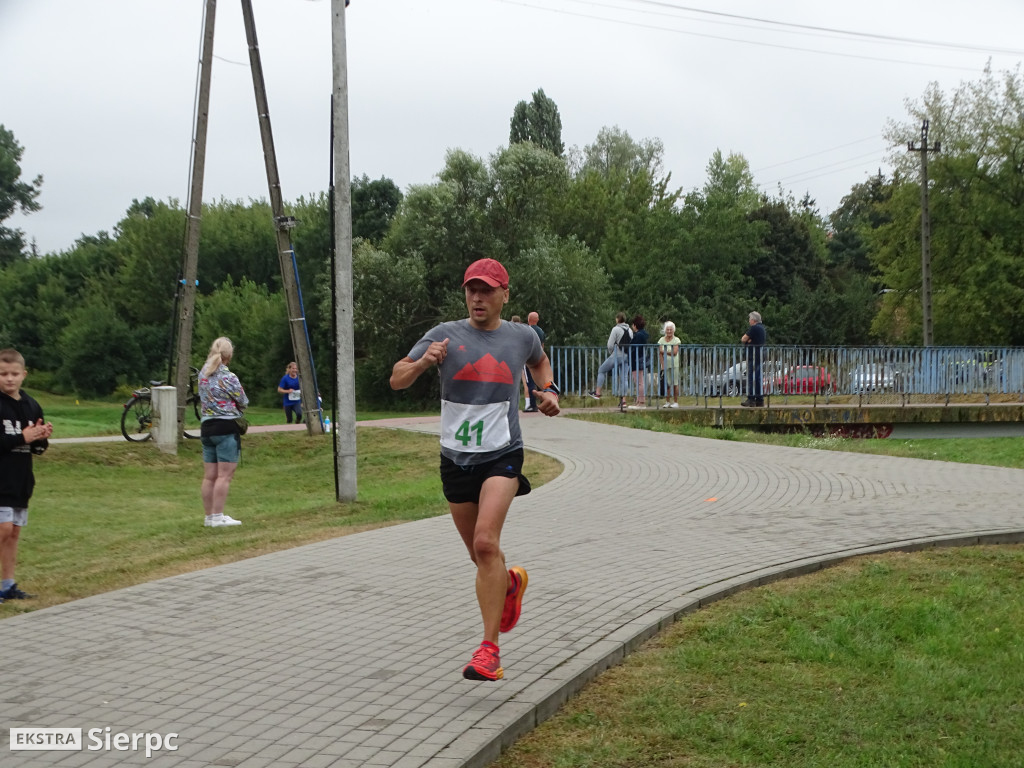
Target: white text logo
[[96, 739]]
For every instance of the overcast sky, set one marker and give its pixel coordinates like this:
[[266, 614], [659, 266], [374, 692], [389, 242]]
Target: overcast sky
[[100, 93]]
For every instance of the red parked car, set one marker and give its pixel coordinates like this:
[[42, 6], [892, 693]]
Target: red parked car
[[806, 380]]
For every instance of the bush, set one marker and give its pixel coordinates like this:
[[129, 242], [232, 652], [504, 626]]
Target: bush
[[99, 350]]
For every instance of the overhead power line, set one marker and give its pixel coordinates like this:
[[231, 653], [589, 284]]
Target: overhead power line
[[815, 154], [848, 164], [820, 33], [812, 28]]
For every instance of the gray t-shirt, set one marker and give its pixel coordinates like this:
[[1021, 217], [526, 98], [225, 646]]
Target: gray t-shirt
[[480, 384]]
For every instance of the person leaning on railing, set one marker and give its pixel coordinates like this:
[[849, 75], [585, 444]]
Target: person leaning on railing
[[638, 360], [669, 351], [617, 362]]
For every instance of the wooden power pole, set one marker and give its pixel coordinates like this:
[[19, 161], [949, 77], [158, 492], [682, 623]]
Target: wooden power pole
[[190, 266], [345, 385], [926, 236], [282, 228]]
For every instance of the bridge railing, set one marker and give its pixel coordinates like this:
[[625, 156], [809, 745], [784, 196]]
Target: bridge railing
[[878, 374]]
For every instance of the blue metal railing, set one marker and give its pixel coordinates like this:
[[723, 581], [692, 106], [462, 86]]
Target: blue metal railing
[[717, 371]]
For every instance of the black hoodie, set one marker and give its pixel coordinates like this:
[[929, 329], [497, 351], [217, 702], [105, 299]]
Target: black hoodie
[[16, 478]]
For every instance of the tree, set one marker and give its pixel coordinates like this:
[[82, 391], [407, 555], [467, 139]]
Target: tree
[[713, 288], [14, 195], [615, 152], [565, 282], [977, 217], [790, 259], [538, 122], [99, 349], [374, 204], [40, 295], [447, 223], [731, 182], [392, 310], [858, 213], [526, 181], [256, 321], [615, 196], [237, 242]]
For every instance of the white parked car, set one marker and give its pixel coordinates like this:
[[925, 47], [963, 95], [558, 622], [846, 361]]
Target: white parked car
[[874, 377], [732, 382]]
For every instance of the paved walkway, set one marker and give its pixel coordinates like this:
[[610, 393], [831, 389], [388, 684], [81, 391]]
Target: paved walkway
[[354, 657]]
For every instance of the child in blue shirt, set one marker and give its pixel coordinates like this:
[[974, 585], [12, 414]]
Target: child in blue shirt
[[289, 387]]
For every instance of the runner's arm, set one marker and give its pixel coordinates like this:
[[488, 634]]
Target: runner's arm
[[547, 402], [407, 370]]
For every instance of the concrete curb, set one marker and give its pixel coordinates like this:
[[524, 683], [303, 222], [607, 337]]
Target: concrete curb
[[340, 665], [542, 700]]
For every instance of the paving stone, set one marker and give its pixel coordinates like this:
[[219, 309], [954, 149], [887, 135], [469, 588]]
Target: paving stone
[[639, 530]]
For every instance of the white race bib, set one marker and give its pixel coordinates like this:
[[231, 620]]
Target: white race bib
[[474, 428], [295, 395]]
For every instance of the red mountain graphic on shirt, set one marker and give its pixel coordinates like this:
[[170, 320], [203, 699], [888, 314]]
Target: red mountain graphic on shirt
[[485, 369]]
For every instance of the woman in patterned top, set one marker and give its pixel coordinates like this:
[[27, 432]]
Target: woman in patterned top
[[221, 401]]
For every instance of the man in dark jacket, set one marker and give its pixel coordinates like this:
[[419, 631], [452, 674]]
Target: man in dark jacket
[[754, 338], [531, 406]]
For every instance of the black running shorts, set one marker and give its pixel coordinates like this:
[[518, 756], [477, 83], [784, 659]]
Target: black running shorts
[[462, 484]]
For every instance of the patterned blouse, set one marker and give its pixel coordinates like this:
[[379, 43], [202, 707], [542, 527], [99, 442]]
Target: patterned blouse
[[221, 395]]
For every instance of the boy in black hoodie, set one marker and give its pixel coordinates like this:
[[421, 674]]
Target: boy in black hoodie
[[22, 433]]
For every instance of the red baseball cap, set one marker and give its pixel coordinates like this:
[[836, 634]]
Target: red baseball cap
[[488, 270]]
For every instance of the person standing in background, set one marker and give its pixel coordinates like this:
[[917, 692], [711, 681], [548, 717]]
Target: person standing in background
[[638, 360], [617, 362], [289, 387], [669, 347], [526, 385], [23, 434], [531, 404], [754, 338], [221, 402]]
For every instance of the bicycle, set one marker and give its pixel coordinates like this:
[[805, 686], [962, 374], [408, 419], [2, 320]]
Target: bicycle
[[137, 418]]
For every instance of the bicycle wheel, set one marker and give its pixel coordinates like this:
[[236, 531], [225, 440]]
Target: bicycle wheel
[[191, 425], [137, 418]]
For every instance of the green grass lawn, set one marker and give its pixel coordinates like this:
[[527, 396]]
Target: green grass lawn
[[996, 451], [892, 660], [76, 417]]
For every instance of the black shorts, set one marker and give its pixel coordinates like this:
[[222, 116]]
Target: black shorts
[[462, 484]]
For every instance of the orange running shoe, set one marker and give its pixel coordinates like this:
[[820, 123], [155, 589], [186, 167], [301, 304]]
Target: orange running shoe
[[485, 665], [514, 598]]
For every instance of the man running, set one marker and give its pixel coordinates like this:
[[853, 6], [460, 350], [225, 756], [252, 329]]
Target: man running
[[479, 360]]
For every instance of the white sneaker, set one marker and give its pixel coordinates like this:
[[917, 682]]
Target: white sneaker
[[666, 405], [219, 521], [675, 405]]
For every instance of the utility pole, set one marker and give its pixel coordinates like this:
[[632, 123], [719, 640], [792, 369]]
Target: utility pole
[[190, 266], [926, 235], [282, 226], [345, 385]]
